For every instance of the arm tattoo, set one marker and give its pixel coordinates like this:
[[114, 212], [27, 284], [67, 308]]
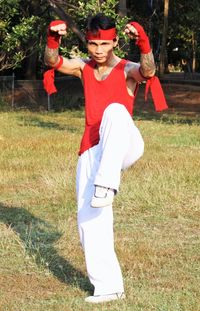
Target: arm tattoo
[[50, 56], [147, 65]]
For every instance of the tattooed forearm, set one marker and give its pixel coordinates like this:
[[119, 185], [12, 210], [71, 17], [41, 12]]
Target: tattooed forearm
[[50, 56], [147, 65]]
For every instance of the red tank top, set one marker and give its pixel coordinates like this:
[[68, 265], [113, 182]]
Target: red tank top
[[100, 94]]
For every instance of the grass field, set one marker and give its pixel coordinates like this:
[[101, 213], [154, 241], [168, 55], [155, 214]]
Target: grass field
[[157, 230]]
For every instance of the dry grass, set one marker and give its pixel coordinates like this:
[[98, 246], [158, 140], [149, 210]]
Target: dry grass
[[156, 216]]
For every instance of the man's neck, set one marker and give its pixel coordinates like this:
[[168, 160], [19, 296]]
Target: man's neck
[[103, 70], [110, 63]]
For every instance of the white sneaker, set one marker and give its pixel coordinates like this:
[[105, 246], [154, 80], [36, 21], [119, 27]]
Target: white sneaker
[[102, 196], [105, 298]]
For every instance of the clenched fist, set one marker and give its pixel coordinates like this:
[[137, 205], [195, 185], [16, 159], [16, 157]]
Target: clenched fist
[[56, 29], [131, 31], [137, 32], [59, 27]]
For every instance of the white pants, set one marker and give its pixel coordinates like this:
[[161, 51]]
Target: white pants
[[120, 145]]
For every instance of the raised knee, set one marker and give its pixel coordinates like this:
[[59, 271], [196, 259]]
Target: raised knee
[[116, 110], [140, 150]]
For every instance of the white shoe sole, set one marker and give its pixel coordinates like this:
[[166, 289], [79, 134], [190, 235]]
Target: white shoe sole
[[105, 298], [101, 203]]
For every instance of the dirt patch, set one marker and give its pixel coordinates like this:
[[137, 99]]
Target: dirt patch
[[185, 98], [181, 98]]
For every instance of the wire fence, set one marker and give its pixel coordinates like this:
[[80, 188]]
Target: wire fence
[[30, 94]]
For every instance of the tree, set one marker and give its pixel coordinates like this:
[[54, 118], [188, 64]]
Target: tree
[[20, 31], [163, 54], [122, 8], [23, 26], [182, 40], [184, 32]]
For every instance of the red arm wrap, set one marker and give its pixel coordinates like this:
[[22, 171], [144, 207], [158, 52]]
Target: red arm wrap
[[157, 93], [158, 96], [49, 76], [53, 38], [143, 40]]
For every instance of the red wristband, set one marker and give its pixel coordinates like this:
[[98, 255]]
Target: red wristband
[[59, 63], [53, 38], [143, 40], [49, 76]]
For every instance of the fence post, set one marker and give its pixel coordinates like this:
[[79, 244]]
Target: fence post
[[48, 102], [13, 89]]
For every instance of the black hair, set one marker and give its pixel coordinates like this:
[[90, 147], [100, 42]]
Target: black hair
[[100, 21]]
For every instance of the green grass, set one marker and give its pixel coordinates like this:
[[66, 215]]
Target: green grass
[[157, 211]]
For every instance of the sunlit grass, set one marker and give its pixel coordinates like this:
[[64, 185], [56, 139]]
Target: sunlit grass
[[156, 216]]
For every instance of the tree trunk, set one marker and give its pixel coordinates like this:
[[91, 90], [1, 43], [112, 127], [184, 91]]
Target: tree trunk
[[122, 11], [193, 52], [30, 66], [31, 61], [100, 2], [122, 8], [163, 54]]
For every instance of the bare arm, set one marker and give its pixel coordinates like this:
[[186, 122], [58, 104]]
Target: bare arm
[[51, 57], [147, 64], [70, 66]]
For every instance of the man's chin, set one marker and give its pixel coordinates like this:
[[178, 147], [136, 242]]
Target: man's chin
[[100, 60]]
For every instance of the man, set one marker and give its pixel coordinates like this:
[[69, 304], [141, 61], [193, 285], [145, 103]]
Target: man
[[111, 142]]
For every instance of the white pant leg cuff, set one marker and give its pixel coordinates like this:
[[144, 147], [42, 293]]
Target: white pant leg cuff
[[109, 291], [100, 183]]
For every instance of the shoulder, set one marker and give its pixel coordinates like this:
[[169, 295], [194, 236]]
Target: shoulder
[[131, 66], [87, 61], [73, 66], [79, 61], [132, 71]]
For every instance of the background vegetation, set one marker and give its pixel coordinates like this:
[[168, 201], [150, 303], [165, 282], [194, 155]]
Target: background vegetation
[[23, 27]]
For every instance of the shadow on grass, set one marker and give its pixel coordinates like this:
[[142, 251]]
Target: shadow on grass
[[168, 117], [38, 122], [38, 237]]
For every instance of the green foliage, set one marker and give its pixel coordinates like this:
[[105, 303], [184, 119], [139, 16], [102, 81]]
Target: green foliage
[[93, 7], [9, 9], [23, 26], [184, 32], [20, 32], [83, 10]]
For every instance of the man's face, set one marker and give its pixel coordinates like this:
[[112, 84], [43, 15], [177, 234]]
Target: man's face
[[101, 50]]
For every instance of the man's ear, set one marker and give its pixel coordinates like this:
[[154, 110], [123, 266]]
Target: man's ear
[[116, 41]]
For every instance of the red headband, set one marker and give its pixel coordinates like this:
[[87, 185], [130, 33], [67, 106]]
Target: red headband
[[101, 34]]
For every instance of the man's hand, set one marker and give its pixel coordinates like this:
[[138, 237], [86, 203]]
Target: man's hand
[[56, 29], [59, 27], [136, 31], [131, 32]]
